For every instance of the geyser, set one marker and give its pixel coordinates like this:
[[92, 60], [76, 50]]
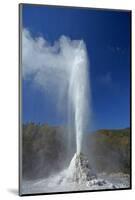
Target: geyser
[[61, 70], [79, 93]]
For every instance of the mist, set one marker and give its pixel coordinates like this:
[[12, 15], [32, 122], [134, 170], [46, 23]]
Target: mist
[[60, 70]]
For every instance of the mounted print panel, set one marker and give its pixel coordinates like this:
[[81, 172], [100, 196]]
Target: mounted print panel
[[75, 80]]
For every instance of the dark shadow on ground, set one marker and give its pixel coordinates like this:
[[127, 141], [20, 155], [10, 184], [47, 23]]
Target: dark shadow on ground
[[13, 191]]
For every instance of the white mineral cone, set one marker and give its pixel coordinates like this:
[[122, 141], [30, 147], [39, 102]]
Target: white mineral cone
[[79, 169], [80, 172]]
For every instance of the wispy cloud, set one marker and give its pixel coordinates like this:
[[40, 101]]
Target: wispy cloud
[[105, 79], [116, 49]]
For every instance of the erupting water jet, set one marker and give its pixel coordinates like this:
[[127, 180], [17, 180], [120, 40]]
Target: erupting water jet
[[64, 66], [79, 93]]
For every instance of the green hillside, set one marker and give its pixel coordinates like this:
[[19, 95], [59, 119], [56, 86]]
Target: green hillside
[[110, 150], [45, 150]]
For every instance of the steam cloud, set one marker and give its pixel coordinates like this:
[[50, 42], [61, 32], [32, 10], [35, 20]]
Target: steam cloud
[[50, 65], [62, 69]]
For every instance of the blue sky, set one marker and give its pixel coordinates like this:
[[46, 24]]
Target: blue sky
[[107, 37]]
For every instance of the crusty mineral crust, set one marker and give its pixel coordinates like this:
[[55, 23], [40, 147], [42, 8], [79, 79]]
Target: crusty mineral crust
[[81, 173]]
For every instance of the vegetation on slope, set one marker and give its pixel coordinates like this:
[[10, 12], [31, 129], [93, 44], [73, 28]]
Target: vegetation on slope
[[110, 150], [45, 150]]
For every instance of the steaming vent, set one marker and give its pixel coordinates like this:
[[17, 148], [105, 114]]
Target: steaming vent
[[80, 173]]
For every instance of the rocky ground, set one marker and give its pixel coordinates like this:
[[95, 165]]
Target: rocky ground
[[49, 186], [78, 176]]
